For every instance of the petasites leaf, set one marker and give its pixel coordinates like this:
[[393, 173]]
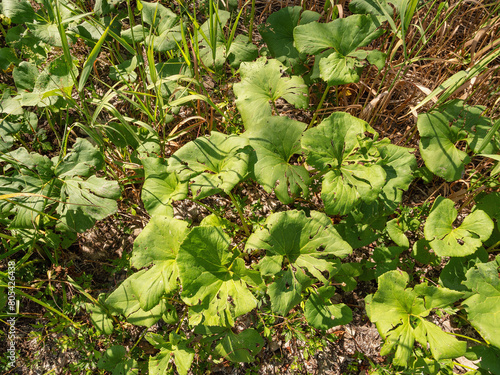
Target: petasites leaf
[[342, 36], [464, 240], [241, 347], [274, 142], [261, 82], [214, 279], [125, 301], [19, 11], [441, 129], [177, 347], [322, 314], [306, 246], [277, 32], [160, 187], [338, 147], [399, 314], [211, 164], [483, 308], [157, 244]]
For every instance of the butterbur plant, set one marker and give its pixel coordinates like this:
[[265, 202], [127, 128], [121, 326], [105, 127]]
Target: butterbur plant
[[260, 210]]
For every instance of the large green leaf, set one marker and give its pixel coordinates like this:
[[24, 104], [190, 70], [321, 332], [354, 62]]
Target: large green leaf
[[399, 164], [261, 82], [464, 240], [79, 202], [342, 36], [275, 141], [211, 164], [400, 312], [277, 32], [337, 148], [241, 347], [125, 301], [19, 11], [163, 32], [160, 187], [177, 347], [322, 314], [214, 279], [157, 244], [441, 129], [304, 246], [483, 308]]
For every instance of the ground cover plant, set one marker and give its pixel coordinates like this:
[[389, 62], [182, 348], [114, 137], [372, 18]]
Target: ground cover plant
[[250, 187]]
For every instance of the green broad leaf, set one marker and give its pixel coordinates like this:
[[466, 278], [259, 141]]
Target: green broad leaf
[[399, 165], [160, 188], [339, 70], [483, 308], [373, 7], [159, 241], [309, 245], [213, 278], [397, 233], [322, 314], [340, 38], [176, 347], [490, 204], [25, 75], [446, 240], [114, 360], [386, 258], [446, 125], [344, 35], [399, 314], [275, 141], [277, 32], [286, 292], [241, 50], [19, 11], [213, 39], [261, 82], [46, 32], [211, 164], [336, 146], [53, 82], [489, 358], [124, 301], [83, 160], [241, 347], [124, 72], [99, 317], [7, 59], [453, 273], [164, 33], [442, 345], [86, 201]]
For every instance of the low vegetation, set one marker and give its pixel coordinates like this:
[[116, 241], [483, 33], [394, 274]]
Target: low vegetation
[[187, 184]]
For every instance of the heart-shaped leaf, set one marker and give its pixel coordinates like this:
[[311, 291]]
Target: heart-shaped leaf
[[261, 82], [337, 147], [275, 142], [342, 37], [157, 244], [160, 187], [304, 245], [464, 240], [277, 32], [483, 308], [214, 279], [322, 314], [211, 164], [400, 312], [441, 129]]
